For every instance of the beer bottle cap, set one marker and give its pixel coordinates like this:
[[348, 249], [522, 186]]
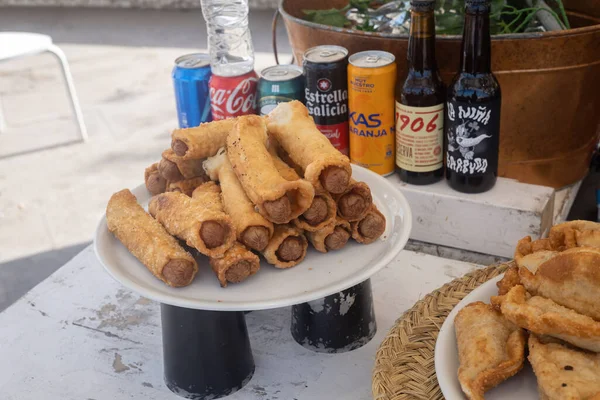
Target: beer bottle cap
[[478, 5], [422, 5]]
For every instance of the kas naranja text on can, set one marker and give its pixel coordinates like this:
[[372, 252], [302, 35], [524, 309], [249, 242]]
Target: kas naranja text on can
[[190, 80], [371, 97], [326, 92], [232, 96], [279, 84]]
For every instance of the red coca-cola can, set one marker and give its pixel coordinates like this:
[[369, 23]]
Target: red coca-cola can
[[232, 96]]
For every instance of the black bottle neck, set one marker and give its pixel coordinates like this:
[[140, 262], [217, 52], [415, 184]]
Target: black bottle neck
[[476, 43], [421, 42]]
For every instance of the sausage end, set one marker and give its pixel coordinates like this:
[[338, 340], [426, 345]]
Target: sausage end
[[179, 147], [178, 272], [213, 234], [334, 179]]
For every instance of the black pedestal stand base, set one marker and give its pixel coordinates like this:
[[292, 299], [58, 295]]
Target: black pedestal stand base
[[338, 323], [207, 354]]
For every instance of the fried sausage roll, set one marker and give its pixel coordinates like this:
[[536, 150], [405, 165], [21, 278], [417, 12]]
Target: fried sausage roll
[[321, 213], [148, 241], [322, 210], [202, 141], [287, 247], [253, 230], [288, 173], [277, 199], [236, 265], [332, 237], [155, 183], [308, 148], [186, 186], [174, 168], [370, 227], [199, 221], [354, 203]]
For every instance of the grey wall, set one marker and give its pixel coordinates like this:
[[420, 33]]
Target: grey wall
[[176, 4]]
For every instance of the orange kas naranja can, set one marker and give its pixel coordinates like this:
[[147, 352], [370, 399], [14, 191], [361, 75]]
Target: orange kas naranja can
[[371, 97]]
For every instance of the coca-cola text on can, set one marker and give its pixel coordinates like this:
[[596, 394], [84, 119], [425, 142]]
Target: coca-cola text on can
[[232, 96], [326, 92]]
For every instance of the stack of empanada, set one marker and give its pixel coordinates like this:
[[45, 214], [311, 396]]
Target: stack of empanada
[[553, 293]]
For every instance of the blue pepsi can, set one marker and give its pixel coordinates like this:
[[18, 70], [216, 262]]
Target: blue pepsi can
[[190, 79]]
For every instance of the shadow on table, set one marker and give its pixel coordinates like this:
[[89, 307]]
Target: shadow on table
[[19, 276]]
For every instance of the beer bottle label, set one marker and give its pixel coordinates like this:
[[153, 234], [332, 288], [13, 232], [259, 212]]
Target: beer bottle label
[[473, 132], [419, 137]]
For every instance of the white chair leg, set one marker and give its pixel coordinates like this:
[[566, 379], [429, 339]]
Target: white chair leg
[[2, 120], [71, 87]]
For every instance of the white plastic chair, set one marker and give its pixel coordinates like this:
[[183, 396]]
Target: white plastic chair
[[18, 44]]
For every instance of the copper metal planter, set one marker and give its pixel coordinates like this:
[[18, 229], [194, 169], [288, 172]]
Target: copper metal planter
[[550, 86]]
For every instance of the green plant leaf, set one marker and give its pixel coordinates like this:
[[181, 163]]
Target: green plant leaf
[[309, 14], [496, 6], [331, 17], [506, 16], [361, 5], [449, 24], [366, 26]]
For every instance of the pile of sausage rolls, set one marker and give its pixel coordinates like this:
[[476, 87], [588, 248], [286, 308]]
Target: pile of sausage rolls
[[235, 189]]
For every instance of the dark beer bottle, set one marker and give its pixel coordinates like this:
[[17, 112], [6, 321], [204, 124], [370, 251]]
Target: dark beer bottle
[[420, 104], [473, 108]]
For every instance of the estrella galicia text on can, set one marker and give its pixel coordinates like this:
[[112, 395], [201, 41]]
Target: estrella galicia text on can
[[326, 92]]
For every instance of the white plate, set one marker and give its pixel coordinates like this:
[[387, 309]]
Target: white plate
[[319, 275], [521, 386]]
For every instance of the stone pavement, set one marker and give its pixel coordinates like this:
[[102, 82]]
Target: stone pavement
[[53, 190]]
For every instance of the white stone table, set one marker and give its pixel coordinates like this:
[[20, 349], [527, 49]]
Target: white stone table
[[80, 335]]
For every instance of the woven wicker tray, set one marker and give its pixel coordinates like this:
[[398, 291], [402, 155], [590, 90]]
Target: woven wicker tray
[[404, 365]]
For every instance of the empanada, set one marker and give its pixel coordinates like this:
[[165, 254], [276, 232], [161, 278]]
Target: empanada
[[509, 280], [545, 317], [490, 349], [530, 262], [564, 373], [534, 260], [565, 235], [526, 247], [570, 278], [587, 238]]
